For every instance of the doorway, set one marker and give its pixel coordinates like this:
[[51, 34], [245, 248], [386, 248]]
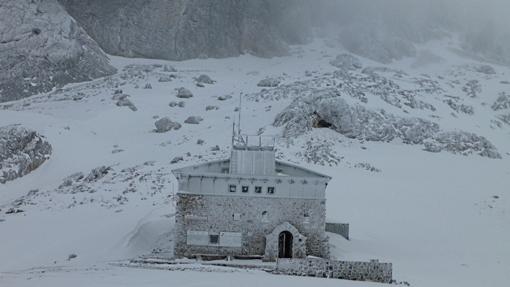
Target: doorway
[[285, 245]]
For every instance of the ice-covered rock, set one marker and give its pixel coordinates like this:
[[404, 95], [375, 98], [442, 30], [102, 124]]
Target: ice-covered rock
[[194, 120], [42, 47], [184, 93], [472, 88], [97, 173], [269, 82], [124, 101], [327, 109], [21, 151], [166, 124], [347, 62], [179, 104]]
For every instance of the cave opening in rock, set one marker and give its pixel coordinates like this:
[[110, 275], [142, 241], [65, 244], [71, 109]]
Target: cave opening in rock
[[319, 122]]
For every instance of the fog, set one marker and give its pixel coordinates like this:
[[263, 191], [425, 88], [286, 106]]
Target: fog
[[388, 29]]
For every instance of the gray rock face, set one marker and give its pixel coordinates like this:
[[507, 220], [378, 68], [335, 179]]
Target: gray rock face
[[21, 151], [327, 109], [184, 29], [42, 47], [166, 124]]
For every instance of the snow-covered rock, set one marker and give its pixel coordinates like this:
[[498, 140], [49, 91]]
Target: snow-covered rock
[[184, 93], [327, 109], [21, 151], [269, 82], [205, 79], [166, 124], [42, 47], [502, 103], [347, 62], [194, 120]]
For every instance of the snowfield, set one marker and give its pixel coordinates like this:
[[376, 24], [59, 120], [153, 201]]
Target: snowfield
[[106, 192]]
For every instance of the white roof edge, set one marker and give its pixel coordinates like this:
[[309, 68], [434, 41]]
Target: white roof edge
[[200, 164], [304, 169]]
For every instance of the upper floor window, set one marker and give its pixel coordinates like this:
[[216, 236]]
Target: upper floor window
[[258, 189], [245, 189], [214, 238], [270, 189], [232, 188]]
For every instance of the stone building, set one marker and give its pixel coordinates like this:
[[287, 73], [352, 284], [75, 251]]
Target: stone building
[[251, 205]]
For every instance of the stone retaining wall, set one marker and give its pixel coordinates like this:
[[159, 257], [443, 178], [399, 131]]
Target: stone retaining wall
[[351, 270]]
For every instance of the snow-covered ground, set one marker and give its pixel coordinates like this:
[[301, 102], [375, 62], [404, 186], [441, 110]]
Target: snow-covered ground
[[442, 219]]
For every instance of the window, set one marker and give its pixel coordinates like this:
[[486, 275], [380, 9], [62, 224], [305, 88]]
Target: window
[[232, 188], [258, 189], [270, 189], [236, 216], [306, 217], [214, 238], [245, 189], [265, 217]]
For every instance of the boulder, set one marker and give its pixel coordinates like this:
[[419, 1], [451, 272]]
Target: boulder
[[269, 82], [194, 120], [21, 151], [205, 79], [166, 124], [184, 93]]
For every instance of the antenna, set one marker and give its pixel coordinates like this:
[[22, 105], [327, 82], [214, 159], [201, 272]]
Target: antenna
[[240, 108]]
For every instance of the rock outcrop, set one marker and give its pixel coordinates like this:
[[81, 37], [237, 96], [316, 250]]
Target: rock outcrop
[[42, 47], [184, 29], [327, 109], [21, 151]]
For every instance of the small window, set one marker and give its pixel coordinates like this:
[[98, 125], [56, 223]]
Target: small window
[[236, 216], [265, 217], [214, 239], [245, 189], [232, 188], [270, 189], [224, 170], [258, 189]]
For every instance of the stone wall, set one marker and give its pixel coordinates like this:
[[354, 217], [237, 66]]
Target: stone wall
[[341, 229], [351, 270], [253, 217]]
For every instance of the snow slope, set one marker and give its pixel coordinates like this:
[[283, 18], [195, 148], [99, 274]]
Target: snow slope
[[443, 219]]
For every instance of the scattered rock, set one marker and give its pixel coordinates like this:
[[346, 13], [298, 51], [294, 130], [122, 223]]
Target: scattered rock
[[269, 83], [502, 103], [176, 159], [194, 120], [166, 124], [179, 104], [184, 93], [166, 78], [97, 173], [224, 98], [205, 79], [472, 88], [123, 101], [169, 69], [200, 141], [346, 62], [485, 69], [147, 86], [211, 108], [14, 211], [71, 257], [215, 148]]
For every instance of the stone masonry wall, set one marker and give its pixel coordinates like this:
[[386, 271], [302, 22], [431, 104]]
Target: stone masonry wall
[[253, 217], [351, 270]]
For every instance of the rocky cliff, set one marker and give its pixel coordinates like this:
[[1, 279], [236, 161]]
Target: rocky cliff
[[184, 29], [42, 47]]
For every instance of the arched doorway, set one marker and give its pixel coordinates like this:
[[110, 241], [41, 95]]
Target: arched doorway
[[285, 245]]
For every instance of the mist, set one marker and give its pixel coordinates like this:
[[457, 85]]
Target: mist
[[388, 29]]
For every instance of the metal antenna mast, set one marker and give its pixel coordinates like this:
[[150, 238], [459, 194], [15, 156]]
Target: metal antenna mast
[[239, 120]]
